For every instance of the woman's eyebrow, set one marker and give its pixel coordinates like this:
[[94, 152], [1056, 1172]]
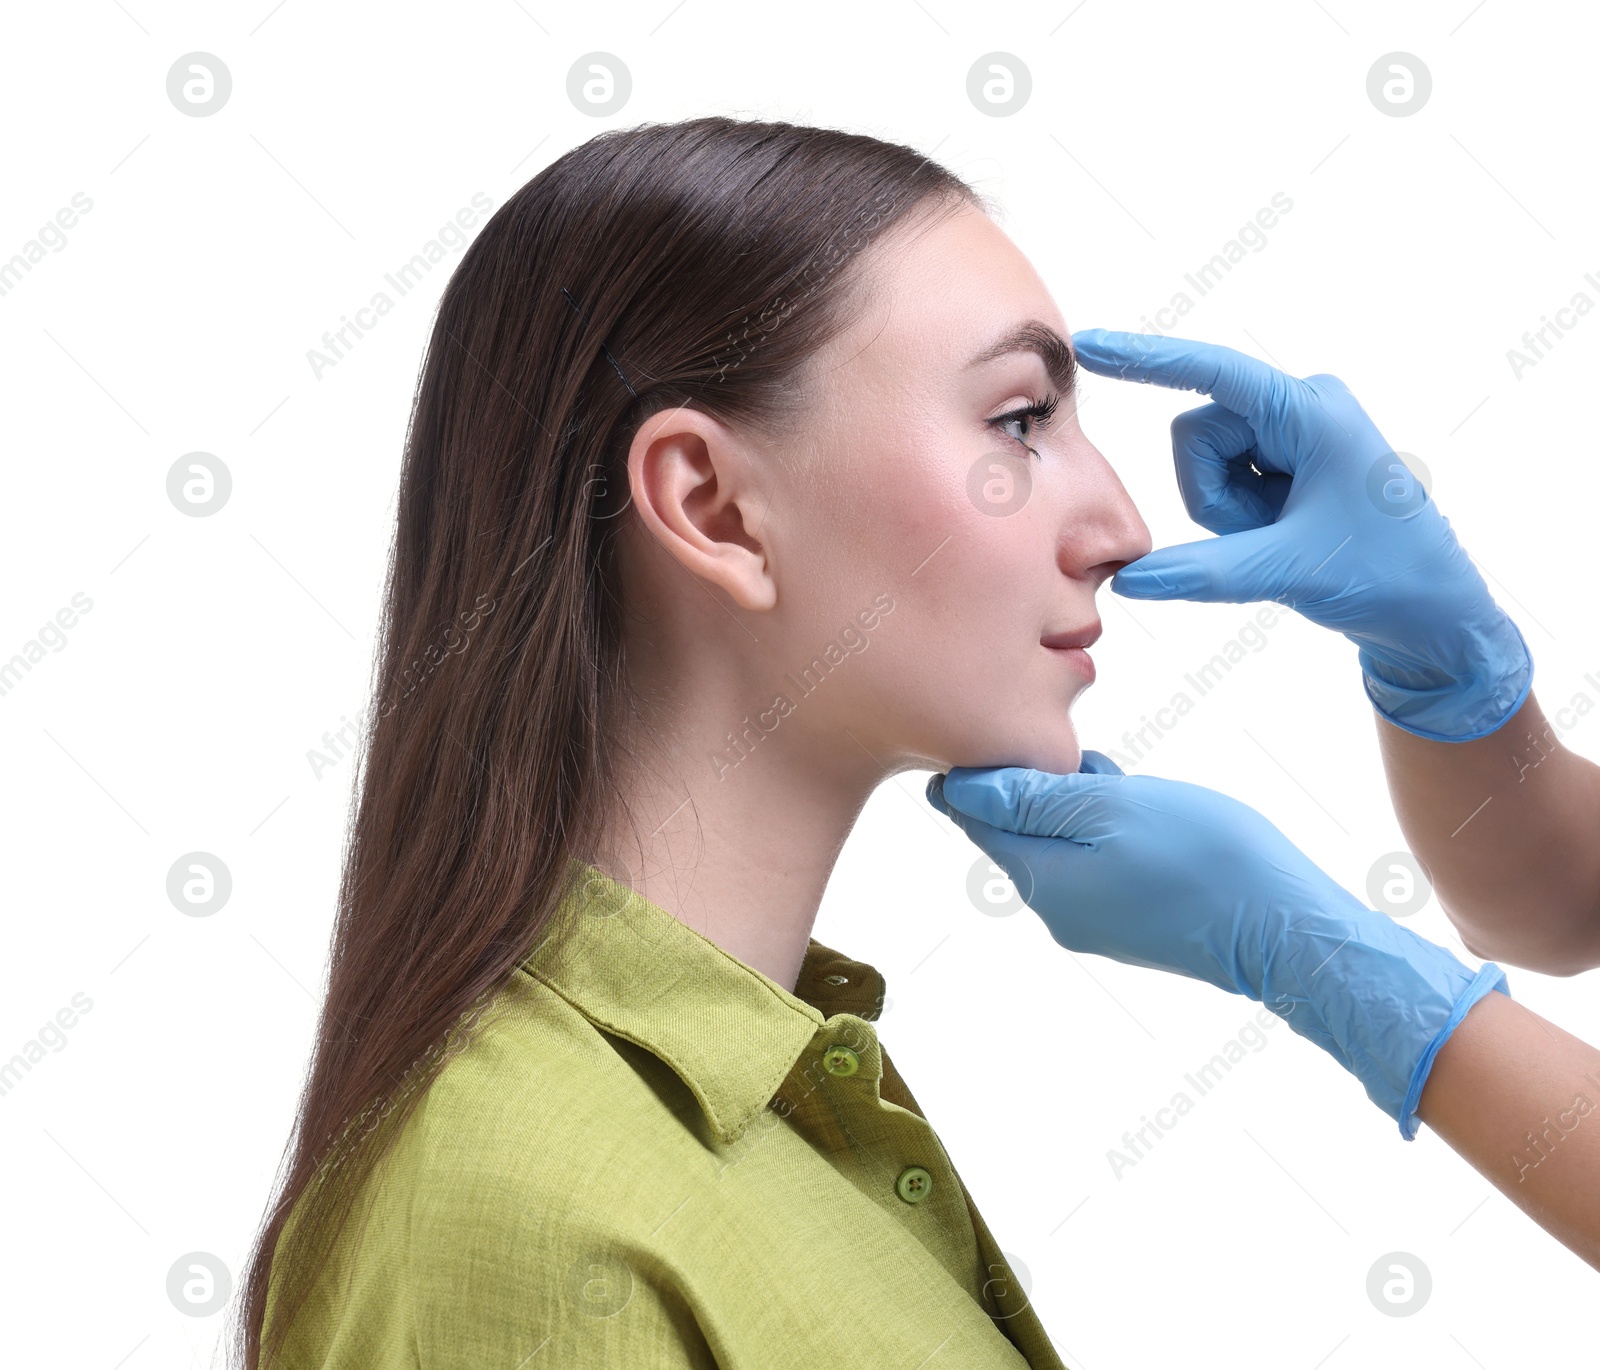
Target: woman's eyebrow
[[1051, 348]]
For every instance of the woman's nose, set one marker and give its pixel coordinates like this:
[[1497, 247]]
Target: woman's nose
[[1107, 530]]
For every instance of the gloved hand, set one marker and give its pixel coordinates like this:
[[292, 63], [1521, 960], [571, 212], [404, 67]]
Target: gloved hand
[[1176, 877], [1318, 513]]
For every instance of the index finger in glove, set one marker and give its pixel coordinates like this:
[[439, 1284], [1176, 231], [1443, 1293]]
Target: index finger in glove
[[1239, 382], [1031, 803]]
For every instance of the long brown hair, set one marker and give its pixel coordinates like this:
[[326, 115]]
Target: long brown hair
[[696, 263]]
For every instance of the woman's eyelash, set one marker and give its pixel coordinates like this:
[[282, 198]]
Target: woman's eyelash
[[1039, 411]]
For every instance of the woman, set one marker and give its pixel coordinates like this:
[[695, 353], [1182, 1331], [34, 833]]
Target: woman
[[744, 473]]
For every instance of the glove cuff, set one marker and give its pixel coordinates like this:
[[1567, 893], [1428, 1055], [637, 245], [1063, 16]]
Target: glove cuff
[[1489, 977], [1377, 997], [1459, 706]]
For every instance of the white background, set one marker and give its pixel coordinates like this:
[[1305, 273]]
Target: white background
[[219, 650]]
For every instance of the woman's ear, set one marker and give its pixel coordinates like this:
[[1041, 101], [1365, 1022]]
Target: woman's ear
[[693, 485]]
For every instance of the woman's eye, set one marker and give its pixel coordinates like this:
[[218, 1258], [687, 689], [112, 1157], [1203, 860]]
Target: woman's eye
[[1026, 419], [1021, 421]]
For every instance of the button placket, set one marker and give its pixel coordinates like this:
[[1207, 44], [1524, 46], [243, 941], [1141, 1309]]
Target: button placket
[[837, 1078], [830, 1076], [909, 1176], [837, 1090]]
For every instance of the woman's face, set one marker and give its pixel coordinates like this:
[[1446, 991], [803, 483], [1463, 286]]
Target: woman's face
[[911, 487]]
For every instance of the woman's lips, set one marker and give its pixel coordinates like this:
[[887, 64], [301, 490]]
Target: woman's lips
[[1072, 646], [1085, 636], [1078, 659]]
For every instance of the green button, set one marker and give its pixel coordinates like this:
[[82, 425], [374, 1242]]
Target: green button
[[914, 1184], [840, 1061]]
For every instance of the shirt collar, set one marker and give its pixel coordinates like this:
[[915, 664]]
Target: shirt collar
[[731, 1034]]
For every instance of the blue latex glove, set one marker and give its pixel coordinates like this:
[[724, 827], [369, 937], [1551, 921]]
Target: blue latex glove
[[1329, 522], [1177, 877]]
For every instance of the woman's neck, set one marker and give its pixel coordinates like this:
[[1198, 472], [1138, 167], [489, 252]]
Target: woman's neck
[[738, 847]]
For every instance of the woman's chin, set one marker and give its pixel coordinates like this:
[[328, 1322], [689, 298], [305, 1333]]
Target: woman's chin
[[1056, 752]]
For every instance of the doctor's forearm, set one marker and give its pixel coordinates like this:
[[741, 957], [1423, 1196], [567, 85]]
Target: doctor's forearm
[[1508, 829], [1519, 1099]]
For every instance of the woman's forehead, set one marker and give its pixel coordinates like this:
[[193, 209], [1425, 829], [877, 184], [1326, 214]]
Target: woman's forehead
[[938, 294]]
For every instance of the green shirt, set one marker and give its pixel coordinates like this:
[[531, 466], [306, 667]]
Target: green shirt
[[651, 1155]]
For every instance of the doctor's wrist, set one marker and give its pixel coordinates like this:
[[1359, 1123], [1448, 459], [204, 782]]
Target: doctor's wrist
[[1380, 999], [1469, 697]]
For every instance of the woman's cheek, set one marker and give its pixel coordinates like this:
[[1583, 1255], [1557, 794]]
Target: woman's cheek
[[1005, 565]]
